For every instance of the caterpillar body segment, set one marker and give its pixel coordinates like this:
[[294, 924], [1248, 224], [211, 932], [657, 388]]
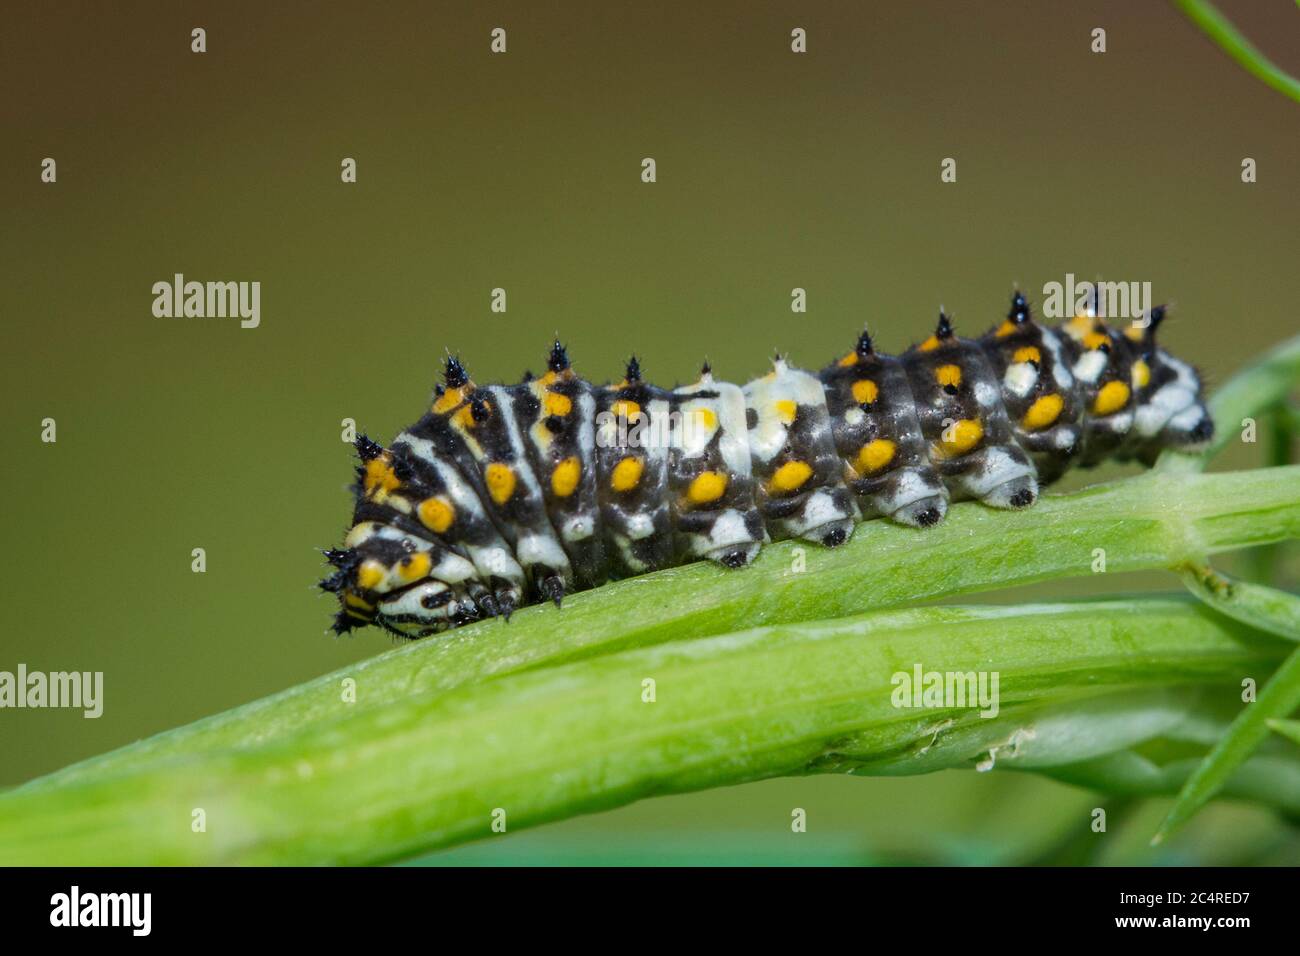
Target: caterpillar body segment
[[506, 495], [1038, 390], [959, 405], [878, 438], [632, 422], [799, 476], [556, 417], [710, 476]]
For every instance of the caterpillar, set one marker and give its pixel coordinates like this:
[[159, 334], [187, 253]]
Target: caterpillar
[[506, 495]]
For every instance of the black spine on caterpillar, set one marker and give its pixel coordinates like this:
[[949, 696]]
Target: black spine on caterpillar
[[506, 495]]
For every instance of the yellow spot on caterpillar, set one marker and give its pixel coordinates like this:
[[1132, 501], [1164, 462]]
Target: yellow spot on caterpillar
[[357, 615], [564, 479], [930, 344], [500, 482], [947, 375], [415, 566], [1043, 412], [1095, 340], [625, 409], [848, 360], [557, 404], [370, 574], [865, 391], [786, 410], [1006, 328], [790, 476], [1134, 333], [380, 477], [960, 437], [875, 455], [448, 400], [1027, 354], [464, 418], [1112, 397], [708, 486], [437, 514], [1080, 325], [355, 600], [706, 419], [1141, 374], [627, 474]]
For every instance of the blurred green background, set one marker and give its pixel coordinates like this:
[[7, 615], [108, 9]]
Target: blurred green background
[[522, 171]]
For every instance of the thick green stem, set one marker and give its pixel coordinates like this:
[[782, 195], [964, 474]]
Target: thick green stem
[[1074, 680], [1154, 520]]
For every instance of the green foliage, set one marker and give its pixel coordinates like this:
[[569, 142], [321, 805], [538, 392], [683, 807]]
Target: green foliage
[[787, 668]]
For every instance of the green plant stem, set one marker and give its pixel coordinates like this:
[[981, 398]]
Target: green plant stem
[[1154, 520], [1269, 609], [1076, 681], [1280, 434], [1229, 39]]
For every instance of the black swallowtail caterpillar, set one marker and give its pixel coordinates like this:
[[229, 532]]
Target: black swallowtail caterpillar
[[505, 495]]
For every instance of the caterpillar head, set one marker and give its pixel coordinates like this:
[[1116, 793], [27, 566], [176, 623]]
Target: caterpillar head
[[426, 608], [408, 587]]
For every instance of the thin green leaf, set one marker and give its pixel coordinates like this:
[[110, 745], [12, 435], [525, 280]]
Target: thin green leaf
[[1221, 30], [1255, 604], [1278, 698], [1287, 728]]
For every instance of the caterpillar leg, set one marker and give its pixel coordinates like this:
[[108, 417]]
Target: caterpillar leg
[[832, 534], [732, 537], [923, 512], [738, 555], [1000, 477]]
